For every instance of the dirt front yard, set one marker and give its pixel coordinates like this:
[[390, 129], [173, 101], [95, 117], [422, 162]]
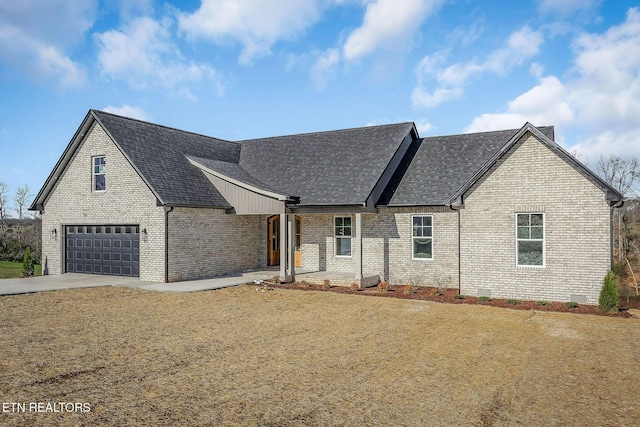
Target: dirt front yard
[[289, 358]]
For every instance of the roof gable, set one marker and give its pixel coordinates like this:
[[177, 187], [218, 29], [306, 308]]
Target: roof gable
[[325, 168], [158, 153], [611, 194], [443, 164]]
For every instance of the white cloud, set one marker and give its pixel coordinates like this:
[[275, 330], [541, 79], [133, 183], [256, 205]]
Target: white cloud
[[611, 142], [521, 46], [128, 111], [536, 70], [143, 55], [129, 8], [566, 8], [421, 98], [423, 127], [600, 101], [388, 24], [323, 69], [35, 37], [545, 104], [256, 24]]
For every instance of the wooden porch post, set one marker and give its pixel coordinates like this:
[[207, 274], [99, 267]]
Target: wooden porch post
[[358, 246]]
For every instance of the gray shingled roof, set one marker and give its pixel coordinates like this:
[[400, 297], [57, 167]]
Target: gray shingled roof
[[159, 154], [443, 164], [233, 171], [325, 168]]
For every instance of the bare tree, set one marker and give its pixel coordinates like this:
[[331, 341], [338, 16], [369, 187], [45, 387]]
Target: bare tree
[[4, 189], [622, 174], [21, 199]]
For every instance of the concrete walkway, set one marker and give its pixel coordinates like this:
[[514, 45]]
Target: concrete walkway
[[77, 280]]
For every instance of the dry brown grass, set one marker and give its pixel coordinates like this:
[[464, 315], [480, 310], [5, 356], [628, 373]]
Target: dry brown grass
[[240, 357]]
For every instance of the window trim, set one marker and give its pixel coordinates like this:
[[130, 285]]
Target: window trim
[[413, 255], [336, 237], [94, 174], [543, 240]]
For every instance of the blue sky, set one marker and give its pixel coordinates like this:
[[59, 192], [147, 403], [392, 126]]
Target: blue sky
[[239, 69]]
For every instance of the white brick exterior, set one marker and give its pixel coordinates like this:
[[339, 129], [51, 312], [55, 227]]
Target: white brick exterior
[[127, 200], [387, 246], [531, 178], [209, 242]]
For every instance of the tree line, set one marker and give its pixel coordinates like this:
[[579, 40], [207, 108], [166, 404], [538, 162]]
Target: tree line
[[22, 230], [623, 174]]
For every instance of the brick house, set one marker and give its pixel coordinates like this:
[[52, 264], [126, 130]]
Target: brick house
[[508, 214]]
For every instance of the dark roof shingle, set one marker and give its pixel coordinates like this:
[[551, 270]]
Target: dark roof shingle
[[325, 168], [158, 152], [442, 164]]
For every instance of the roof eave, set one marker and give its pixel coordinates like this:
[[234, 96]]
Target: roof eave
[[61, 164], [248, 187]]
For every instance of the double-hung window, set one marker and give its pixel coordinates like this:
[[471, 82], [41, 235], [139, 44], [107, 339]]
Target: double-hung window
[[530, 239], [422, 237], [342, 235], [99, 173]]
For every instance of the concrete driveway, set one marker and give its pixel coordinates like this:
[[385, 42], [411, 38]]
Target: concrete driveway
[[77, 280], [61, 281]]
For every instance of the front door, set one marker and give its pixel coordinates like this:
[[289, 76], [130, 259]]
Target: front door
[[273, 254], [273, 257]]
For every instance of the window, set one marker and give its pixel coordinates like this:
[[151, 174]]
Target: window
[[342, 234], [99, 171], [422, 237], [530, 239]]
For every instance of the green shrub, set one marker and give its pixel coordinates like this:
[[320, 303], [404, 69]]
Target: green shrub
[[513, 301], [484, 299], [608, 301], [542, 303], [458, 296], [27, 263], [571, 304]]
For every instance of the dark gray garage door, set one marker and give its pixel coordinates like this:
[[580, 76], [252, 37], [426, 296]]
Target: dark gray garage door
[[103, 249]]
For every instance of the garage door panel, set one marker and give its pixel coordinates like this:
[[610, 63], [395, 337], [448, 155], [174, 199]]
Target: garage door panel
[[101, 249]]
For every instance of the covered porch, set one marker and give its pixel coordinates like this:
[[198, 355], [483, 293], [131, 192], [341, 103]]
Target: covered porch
[[330, 249], [318, 247]]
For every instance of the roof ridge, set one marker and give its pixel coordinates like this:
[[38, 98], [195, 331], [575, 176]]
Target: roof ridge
[[483, 132], [324, 132], [146, 122]]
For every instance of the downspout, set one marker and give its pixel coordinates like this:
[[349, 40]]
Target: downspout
[[166, 243], [459, 257], [618, 204]]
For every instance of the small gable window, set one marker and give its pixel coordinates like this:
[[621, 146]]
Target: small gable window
[[342, 235], [422, 236], [99, 173], [530, 239]]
